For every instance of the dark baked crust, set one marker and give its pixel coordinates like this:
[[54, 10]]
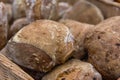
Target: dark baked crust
[[103, 48], [29, 56]]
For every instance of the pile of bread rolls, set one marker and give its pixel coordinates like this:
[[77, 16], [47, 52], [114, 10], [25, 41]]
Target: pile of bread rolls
[[62, 39]]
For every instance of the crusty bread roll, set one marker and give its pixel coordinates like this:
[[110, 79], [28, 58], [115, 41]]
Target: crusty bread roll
[[73, 70], [109, 8], [41, 45], [84, 11], [103, 46]]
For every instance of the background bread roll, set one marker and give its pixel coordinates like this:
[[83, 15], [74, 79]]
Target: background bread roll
[[73, 70]]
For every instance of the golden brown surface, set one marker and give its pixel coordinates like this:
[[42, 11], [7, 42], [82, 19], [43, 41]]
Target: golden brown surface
[[73, 70]]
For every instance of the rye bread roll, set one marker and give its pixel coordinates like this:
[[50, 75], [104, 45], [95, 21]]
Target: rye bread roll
[[84, 11], [103, 46], [73, 70], [41, 45]]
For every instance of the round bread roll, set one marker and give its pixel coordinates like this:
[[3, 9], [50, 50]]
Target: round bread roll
[[109, 8], [84, 11], [103, 46], [117, 0], [3, 25], [79, 31], [41, 45], [73, 70]]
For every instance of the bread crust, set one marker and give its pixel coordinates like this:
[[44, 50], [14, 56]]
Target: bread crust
[[73, 70], [103, 48], [52, 38]]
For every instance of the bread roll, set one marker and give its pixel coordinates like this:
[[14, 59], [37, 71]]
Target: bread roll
[[103, 46], [84, 11], [41, 45], [73, 70]]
